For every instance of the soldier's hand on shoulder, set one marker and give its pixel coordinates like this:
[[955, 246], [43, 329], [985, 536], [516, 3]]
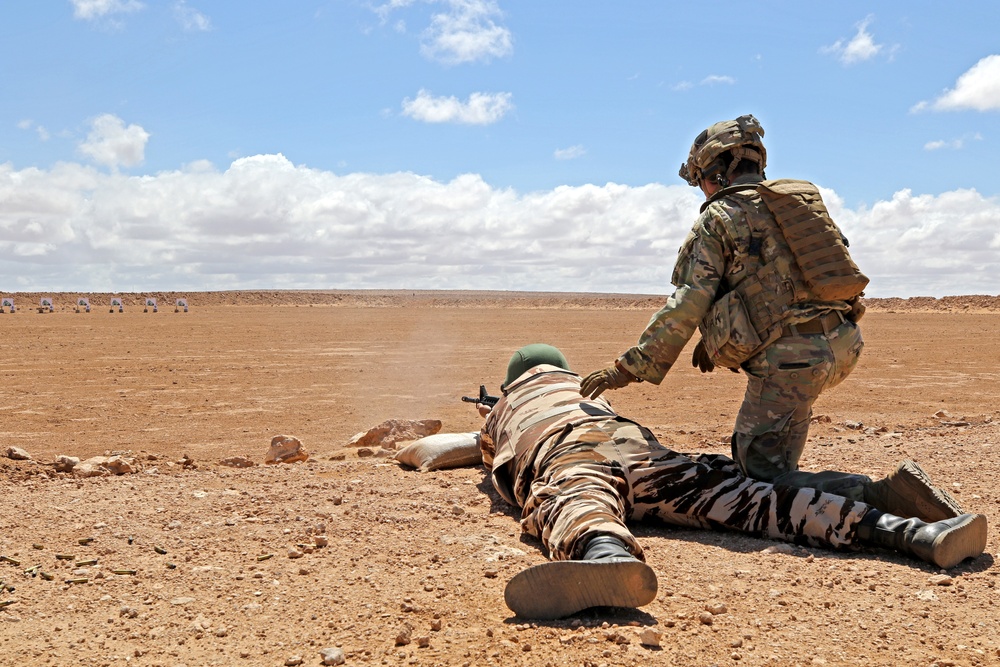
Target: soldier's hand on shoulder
[[613, 377]]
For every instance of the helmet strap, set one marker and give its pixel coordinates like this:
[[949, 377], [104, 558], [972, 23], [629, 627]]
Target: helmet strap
[[739, 154]]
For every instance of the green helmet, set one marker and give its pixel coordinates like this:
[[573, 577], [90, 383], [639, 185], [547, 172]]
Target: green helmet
[[741, 137], [530, 356]]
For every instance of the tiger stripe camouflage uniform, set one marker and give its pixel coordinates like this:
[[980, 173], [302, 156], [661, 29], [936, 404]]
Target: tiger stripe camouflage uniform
[[783, 380], [578, 470]]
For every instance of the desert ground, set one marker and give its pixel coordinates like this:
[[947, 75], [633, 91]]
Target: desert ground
[[357, 558]]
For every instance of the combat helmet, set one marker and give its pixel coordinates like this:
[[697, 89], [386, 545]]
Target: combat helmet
[[530, 356], [741, 137]]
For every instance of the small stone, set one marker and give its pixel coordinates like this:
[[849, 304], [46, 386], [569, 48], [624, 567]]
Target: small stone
[[285, 449], [321, 541], [65, 463], [650, 637], [294, 553], [332, 656], [237, 462], [940, 580], [89, 469], [781, 548], [391, 431], [716, 608], [18, 454], [293, 661], [404, 634], [423, 641], [705, 618], [119, 465]]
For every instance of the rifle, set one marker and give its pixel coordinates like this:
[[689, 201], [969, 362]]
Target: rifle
[[483, 398]]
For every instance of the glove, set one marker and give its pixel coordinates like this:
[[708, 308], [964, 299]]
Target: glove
[[700, 358], [613, 377]]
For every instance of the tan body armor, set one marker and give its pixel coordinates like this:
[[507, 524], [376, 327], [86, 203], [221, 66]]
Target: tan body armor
[[789, 257]]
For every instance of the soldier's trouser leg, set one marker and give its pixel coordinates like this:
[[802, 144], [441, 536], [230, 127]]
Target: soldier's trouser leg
[[578, 492], [783, 382], [672, 488]]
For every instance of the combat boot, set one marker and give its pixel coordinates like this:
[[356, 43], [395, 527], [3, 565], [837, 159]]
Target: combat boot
[[607, 575], [908, 492], [944, 543]]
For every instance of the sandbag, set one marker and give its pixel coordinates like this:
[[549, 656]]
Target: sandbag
[[442, 450]]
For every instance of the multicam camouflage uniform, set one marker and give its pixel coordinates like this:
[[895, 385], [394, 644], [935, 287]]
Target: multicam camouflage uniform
[[578, 470], [787, 376]]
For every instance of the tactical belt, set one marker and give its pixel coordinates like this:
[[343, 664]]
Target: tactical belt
[[823, 324]]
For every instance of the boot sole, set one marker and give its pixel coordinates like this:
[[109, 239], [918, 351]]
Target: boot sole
[[967, 539], [562, 588], [919, 497]]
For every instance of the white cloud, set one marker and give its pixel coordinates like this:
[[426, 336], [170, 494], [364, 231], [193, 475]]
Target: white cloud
[[859, 48], [266, 223], [953, 144], [939, 144], [480, 109], [713, 79], [465, 32], [111, 143], [710, 80], [28, 124], [978, 89], [385, 9], [95, 9], [190, 18], [570, 153], [926, 245]]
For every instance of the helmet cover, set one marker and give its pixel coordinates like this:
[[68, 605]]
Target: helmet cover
[[742, 137]]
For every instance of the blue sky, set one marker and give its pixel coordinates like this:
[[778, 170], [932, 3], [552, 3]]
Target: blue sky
[[448, 144]]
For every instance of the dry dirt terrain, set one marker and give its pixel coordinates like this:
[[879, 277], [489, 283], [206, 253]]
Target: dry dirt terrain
[[199, 563]]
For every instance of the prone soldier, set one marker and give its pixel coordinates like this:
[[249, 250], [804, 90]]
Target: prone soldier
[[579, 472]]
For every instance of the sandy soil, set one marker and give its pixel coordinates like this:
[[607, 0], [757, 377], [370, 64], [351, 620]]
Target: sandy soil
[[415, 565]]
